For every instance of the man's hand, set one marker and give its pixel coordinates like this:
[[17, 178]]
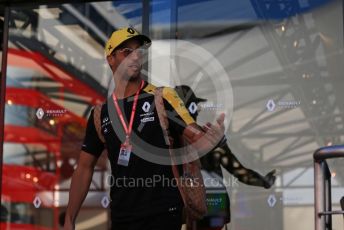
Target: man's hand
[[206, 138], [269, 179], [80, 184], [215, 132]]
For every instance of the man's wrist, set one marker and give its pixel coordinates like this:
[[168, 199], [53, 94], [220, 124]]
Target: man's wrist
[[222, 142]]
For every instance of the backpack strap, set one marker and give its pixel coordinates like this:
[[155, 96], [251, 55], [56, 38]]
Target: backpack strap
[[159, 104], [194, 197], [97, 121]]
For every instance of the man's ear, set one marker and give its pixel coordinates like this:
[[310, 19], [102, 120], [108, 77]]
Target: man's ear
[[110, 59]]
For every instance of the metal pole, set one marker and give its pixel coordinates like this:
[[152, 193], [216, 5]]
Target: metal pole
[[318, 195], [3, 89], [328, 197], [322, 189], [342, 204], [174, 19], [173, 45], [145, 16], [145, 30]]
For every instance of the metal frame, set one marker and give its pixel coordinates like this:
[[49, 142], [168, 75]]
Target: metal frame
[[322, 186], [3, 90]]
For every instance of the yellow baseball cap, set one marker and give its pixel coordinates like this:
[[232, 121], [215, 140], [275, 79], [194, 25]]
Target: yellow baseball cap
[[122, 35]]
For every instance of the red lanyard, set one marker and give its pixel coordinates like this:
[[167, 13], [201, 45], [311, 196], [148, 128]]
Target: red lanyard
[[127, 130]]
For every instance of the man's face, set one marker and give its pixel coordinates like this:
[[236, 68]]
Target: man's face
[[126, 61]]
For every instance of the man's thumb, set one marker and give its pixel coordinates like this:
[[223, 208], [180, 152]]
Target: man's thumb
[[221, 119]]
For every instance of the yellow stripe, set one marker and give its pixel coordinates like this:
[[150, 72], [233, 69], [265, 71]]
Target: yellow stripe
[[149, 88], [172, 97]]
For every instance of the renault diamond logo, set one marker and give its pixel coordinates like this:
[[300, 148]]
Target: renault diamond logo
[[271, 200], [40, 113], [105, 202], [193, 108], [37, 202], [146, 107], [271, 105]]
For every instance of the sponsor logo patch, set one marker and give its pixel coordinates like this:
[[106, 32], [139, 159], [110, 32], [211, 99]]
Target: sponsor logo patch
[[147, 119]]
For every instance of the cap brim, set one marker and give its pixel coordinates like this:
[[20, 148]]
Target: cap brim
[[200, 100], [146, 40], [143, 38]]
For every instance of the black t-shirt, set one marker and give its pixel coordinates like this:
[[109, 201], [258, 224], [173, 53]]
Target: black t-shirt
[[141, 188]]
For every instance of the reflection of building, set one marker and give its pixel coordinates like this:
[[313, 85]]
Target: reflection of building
[[45, 143], [43, 134], [55, 62]]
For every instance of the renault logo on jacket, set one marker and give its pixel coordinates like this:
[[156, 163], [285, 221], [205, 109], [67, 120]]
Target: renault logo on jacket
[[146, 107]]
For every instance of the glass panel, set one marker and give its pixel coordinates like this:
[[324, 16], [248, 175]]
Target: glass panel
[[56, 72], [274, 68], [284, 63]]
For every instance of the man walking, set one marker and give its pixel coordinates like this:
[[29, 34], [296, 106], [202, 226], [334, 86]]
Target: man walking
[[135, 125]]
